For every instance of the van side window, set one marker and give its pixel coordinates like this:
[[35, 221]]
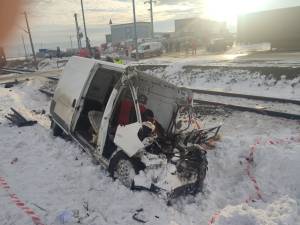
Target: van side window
[[127, 112], [147, 47]]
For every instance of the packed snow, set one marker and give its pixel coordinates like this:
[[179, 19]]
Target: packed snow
[[232, 80], [59, 182]]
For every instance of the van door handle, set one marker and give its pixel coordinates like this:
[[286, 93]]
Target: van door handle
[[74, 103]]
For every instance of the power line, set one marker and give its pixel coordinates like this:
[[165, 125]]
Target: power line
[[78, 34], [31, 43], [151, 15], [135, 33], [88, 46]]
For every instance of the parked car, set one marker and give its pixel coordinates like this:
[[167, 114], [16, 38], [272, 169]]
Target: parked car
[[127, 121], [148, 49], [219, 45]]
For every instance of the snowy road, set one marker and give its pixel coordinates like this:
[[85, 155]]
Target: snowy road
[[52, 175]]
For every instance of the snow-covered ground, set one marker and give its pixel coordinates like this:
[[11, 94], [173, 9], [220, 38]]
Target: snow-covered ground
[[54, 177], [231, 80]]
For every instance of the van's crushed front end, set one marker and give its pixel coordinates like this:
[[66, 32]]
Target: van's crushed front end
[[176, 164], [182, 174], [169, 148]]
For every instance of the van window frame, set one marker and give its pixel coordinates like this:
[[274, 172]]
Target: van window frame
[[121, 85]]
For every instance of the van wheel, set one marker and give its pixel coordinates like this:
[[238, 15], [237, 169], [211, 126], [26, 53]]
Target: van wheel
[[122, 169], [56, 130]]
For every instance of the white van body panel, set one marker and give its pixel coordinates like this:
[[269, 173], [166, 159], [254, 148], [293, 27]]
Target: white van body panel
[[67, 90], [76, 76]]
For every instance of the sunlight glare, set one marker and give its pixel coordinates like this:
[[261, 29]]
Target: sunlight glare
[[228, 10]]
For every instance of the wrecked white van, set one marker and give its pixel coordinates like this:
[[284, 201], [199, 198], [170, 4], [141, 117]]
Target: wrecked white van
[[136, 125]]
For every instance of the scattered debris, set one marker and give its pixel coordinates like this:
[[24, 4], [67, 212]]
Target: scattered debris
[[65, 216], [137, 217], [36, 205], [46, 92], [61, 63], [86, 207], [8, 85], [17, 119], [49, 87], [14, 160], [11, 83], [42, 112], [53, 78]]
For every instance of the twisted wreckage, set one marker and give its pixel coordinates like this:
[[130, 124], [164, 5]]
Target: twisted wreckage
[[141, 128]]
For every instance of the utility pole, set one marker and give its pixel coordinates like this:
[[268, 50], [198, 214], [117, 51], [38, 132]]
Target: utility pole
[[71, 41], [77, 32], [25, 51], [151, 16], [86, 37], [135, 33], [31, 43]]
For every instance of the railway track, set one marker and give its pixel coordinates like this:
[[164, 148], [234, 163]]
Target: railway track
[[20, 77], [254, 97], [276, 107], [14, 70]]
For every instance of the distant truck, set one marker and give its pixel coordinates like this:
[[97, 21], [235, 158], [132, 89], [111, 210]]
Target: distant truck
[[148, 49]]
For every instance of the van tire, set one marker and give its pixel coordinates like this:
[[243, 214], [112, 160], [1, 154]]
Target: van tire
[[56, 130], [123, 169]]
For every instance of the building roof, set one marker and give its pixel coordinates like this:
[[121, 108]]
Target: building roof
[[125, 24]]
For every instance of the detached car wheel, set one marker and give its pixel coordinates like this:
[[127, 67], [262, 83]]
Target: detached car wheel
[[122, 169], [56, 130]]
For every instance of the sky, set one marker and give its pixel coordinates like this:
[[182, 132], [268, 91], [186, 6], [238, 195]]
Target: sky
[[52, 21]]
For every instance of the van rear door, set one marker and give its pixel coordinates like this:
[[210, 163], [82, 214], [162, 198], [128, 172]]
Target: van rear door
[[69, 89]]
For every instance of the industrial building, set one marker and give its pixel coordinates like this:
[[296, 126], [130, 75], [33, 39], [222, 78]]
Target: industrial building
[[280, 27], [124, 32]]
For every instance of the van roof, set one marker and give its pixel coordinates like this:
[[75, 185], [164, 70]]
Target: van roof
[[105, 64], [118, 67], [149, 43]]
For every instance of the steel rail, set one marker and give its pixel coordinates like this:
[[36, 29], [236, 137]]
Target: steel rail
[[250, 109], [255, 97]]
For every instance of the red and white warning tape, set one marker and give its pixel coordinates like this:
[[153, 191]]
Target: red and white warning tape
[[214, 218], [249, 166], [19, 203]]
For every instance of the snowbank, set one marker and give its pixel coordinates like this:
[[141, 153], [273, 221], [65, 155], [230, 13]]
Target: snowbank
[[231, 80], [281, 211]]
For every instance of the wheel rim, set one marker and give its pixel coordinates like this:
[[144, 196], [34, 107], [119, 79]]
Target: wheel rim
[[125, 172]]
